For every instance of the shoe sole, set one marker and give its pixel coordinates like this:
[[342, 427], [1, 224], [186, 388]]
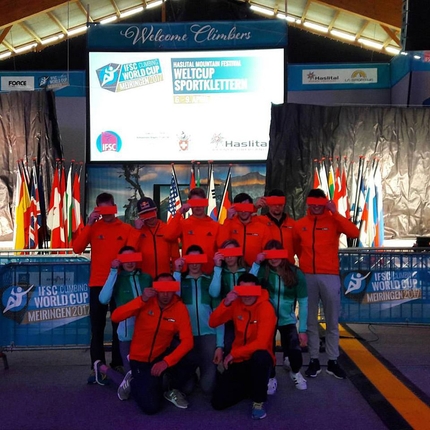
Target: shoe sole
[[313, 375], [333, 374], [259, 418], [302, 388]]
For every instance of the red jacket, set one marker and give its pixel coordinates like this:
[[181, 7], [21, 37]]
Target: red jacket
[[318, 241], [157, 253], [155, 328], [106, 239], [194, 231], [252, 237], [283, 234], [254, 326]]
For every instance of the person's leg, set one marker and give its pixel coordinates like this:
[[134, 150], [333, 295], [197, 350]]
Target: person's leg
[[232, 386], [124, 349], [291, 346], [208, 370], [261, 364], [147, 390], [228, 337], [330, 297], [116, 354], [98, 322], [312, 322], [182, 375]]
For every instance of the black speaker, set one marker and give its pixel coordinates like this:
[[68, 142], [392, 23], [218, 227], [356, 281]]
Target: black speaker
[[415, 35]]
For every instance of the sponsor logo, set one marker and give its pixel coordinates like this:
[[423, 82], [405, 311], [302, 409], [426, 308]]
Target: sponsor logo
[[109, 141], [184, 140], [17, 83], [340, 76]]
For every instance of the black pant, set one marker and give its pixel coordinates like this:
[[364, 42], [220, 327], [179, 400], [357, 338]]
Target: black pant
[[290, 345], [247, 379], [98, 313]]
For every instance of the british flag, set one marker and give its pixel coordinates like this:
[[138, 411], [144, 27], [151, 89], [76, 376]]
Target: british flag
[[174, 198]]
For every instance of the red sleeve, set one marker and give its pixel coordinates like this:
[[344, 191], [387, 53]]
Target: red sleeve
[[220, 315], [223, 232], [174, 228], [128, 310], [133, 238], [345, 226], [83, 240]]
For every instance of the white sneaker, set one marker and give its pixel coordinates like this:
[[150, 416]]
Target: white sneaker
[[272, 386], [124, 389], [287, 365], [299, 381]]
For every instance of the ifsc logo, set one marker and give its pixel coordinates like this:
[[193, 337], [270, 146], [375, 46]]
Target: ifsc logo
[[355, 282], [109, 141], [108, 76], [15, 298]]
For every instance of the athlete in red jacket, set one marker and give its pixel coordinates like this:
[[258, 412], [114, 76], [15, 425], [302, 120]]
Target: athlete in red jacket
[[107, 235], [318, 235], [251, 358], [160, 316]]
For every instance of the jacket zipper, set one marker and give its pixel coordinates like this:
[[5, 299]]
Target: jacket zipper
[[155, 335]]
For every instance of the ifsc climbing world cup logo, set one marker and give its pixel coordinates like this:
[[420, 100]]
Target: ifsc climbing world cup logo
[[14, 301], [108, 76], [354, 284], [109, 141]]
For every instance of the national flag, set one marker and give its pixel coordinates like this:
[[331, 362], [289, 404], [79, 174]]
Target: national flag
[[323, 178], [331, 180], [22, 203], [344, 193], [212, 207], [198, 175], [379, 210], [225, 199], [35, 217], [68, 207], [192, 178], [367, 222], [77, 222], [55, 214], [339, 201], [174, 198], [316, 182]]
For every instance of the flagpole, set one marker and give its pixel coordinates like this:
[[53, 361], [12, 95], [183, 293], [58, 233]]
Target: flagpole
[[226, 183], [176, 181]]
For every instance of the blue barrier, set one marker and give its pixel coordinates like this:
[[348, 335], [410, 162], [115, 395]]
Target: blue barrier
[[385, 285], [44, 301]]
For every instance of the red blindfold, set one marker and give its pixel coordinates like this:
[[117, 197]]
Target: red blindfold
[[317, 201], [198, 203], [132, 257], [275, 254], [148, 215], [248, 290], [244, 207], [196, 259], [166, 286], [231, 252], [274, 200], [106, 210]]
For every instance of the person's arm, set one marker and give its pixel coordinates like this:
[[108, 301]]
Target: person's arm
[[215, 285], [128, 310], [82, 240], [345, 226], [107, 290], [173, 230], [302, 299], [223, 312]]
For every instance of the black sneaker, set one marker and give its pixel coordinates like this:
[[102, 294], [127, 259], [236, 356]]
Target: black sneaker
[[334, 369], [314, 368]]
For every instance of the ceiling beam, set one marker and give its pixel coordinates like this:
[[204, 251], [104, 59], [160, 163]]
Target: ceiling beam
[[13, 11], [388, 12]]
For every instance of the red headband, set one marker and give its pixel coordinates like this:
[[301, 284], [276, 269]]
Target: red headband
[[275, 200], [198, 203], [274, 254], [317, 201], [106, 210], [166, 286], [132, 257], [231, 252], [248, 290], [244, 207], [196, 259]]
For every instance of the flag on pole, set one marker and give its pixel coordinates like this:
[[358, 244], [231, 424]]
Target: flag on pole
[[331, 181], [22, 203], [316, 182], [367, 222], [35, 217], [323, 178], [212, 207], [77, 222], [198, 175], [225, 199], [192, 178], [68, 207], [55, 214], [174, 198], [379, 210]]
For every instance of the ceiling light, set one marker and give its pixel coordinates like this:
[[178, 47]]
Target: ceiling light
[[263, 10], [343, 35], [25, 47], [288, 18], [154, 4], [5, 55], [109, 19], [77, 30], [317, 27], [52, 39], [403, 53], [392, 50], [131, 12], [370, 43], [417, 57]]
